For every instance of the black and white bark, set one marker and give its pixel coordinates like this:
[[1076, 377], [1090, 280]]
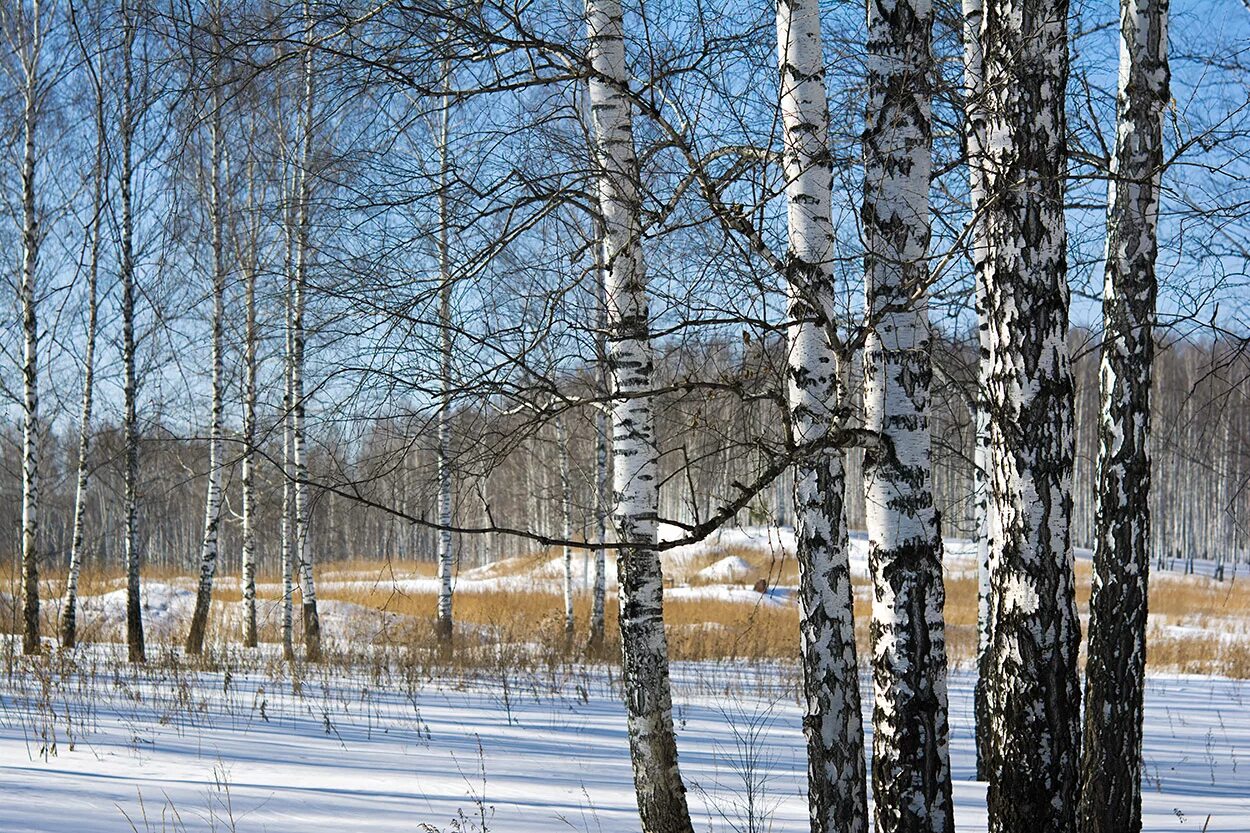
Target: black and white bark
[[288, 458], [251, 340], [27, 37], [566, 522], [213, 495], [446, 555], [974, 142], [69, 606], [126, 139], [299, 454], [1033, 695], [644, 647], [1116, 666], [837, 789], [603, 437], [911, 779]]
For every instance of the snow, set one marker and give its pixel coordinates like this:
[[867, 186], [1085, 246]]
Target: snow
[[729, 568], [166, 609], [354, 751]]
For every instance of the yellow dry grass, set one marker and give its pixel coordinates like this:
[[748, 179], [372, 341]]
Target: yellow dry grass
[[1191, 618]]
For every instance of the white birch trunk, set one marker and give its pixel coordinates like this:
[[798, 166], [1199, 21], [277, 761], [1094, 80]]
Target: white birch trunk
[[911, 761], [126, 131], [1116, 667], [299, 454], [29, 44], [444, 626], [212, 500], [566, 515], [69, 607], [974, 134], [837, 800], [644, 647], [249, 456], [1033, 695], [598, 601]]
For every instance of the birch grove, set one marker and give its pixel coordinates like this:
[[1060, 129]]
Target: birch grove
[[455, 295], [1111, 770], [911, 777]]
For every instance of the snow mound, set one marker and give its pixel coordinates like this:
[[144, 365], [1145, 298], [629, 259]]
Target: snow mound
[[166, 608], [729, 568]]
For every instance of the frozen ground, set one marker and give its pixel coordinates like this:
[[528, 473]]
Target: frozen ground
[[524, 752]]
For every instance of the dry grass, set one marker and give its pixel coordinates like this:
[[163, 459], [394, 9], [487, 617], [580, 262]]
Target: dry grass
[[1191, 618]]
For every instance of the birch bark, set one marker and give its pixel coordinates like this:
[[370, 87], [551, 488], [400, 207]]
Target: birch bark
[[1116, 666], [644, 647], [250, 367], [1033, 697], [69, 608], [566, 517], [974, 136], [126, 132], [446, 553], [212, 507], [598, 602], [299, 453], [837, 792], [910, 758], [30, 43]]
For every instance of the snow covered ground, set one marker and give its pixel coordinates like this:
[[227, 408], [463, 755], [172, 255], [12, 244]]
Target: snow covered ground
[[522, 752]]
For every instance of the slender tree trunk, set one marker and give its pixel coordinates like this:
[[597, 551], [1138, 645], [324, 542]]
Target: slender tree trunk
[[446, 555], [249, 440], [832, 724], [212, 509], [69, 608], [1116, 667], [31, 643], [911, 777], [974, 135], [1034, 695], [566, 515], [598, 599], [644, 647], [134, 611], [289, 530], [303, 549], [29, 44]]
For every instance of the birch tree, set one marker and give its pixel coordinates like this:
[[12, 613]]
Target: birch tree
[[974, 138], [25, 29], [126, 140], [1116, 666], [213, 496], [303, 220], [603, 437], [644, 648], [290, 529], [566, 519], [837, 798], [910, 762], [249, 260], [1033, 696], [69, 606], [446, 556]]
